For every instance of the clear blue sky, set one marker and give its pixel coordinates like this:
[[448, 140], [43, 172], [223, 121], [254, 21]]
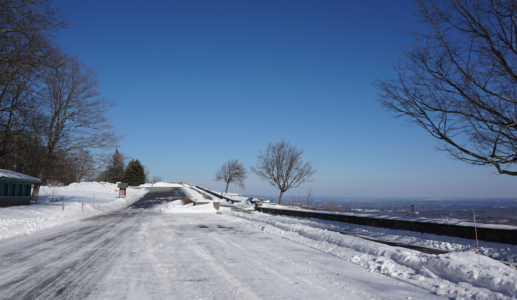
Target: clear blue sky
[[200, 82]]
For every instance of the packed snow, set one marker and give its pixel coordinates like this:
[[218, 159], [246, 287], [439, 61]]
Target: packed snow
[[454, 275], [60, 205], [233, 196], [177, 206]]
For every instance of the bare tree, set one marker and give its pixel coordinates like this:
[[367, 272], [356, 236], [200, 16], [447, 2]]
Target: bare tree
[[85, 165], [26, 30], [157, 179], [72, 113], [459, 82], [27, 16], [282, 166], [232, 171]]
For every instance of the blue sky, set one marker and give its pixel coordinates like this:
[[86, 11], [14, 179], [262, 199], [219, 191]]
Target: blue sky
[[200, 82]]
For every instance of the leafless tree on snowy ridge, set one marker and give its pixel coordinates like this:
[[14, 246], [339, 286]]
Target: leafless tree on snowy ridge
[[282, 166], [232, 171]]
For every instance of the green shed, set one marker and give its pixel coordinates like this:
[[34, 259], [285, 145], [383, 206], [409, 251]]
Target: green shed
[[15, 188]]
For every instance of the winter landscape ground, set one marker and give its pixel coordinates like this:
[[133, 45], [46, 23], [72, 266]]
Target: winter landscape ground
[[142, 247]]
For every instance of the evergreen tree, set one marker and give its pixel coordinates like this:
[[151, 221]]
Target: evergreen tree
[[115, 171], [129, 173], [134, 174]]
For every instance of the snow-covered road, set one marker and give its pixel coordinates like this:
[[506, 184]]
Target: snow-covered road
[[140, 253]]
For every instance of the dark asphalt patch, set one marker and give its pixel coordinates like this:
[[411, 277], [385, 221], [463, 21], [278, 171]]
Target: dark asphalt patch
[[157, 196]]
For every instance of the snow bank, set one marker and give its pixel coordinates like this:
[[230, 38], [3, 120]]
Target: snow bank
[[83, 187], [455, 275], [48, 212], [494, 250], [197, 195], [193, 194], [161, 184], [176, 207]]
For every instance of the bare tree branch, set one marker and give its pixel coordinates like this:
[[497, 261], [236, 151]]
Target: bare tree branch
[[459, 82]]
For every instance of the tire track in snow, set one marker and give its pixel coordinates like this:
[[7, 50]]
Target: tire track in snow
[[69, 271], [294, 265]]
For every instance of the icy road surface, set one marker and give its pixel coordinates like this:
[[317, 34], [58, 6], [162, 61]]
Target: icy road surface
[[141, 253]]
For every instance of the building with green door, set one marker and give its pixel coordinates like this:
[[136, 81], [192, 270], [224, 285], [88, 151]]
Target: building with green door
[[15, 188]]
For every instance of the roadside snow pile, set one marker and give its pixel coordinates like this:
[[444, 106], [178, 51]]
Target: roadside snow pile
[[453, 275], [193, 194], [84, 186], [233, 196], [494, 250], [48, 211], [178, 207], [241, 205], [161, 184]]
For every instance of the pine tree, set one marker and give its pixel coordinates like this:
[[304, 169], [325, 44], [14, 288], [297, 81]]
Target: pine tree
[[134, 174], [129, 173], [115, 171], [140, 173]]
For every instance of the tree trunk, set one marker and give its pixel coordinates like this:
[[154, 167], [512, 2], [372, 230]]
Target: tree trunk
[[226, 191], [41, 176], [35, 192], [280, 198]]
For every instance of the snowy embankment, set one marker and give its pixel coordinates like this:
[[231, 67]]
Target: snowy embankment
[[177, 206], [494, 250], [48, 212], [162, 184], [454, 275]]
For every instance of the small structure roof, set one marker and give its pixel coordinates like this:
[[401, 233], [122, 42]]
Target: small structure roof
[[123, 185], [5, 175]]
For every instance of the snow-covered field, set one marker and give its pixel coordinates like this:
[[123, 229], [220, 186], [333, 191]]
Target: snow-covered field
[[94, 198], [454, 275]]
